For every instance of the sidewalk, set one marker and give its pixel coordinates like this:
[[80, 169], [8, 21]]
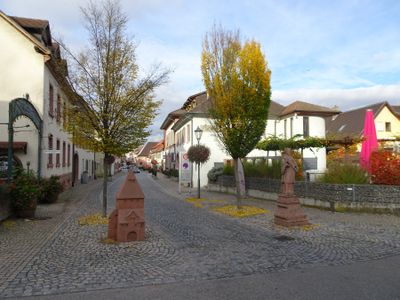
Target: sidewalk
[[23, 239]]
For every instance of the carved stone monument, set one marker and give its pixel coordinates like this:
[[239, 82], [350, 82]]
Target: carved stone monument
[[289, 212], [126, 222]]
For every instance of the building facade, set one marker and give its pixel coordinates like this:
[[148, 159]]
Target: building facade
[[298, 118], [351, 123], [27, 65]]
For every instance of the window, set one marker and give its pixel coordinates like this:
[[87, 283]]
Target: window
[[284, 128], [69, 155], [87, 166], [291, 127], [188, 133], [51, 101], [58, 154], [306, 127], [380, 126], [63, 155], [58, 111], [50, 155], [64, 111], [388, 126]]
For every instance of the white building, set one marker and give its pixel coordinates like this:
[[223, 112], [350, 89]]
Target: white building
[[27, 66], [169, 153], [297, 118]]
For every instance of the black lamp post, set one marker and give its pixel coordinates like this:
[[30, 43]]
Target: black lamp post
[[198, 132]]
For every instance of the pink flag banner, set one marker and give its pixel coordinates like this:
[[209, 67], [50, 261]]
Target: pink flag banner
[[370, 141]]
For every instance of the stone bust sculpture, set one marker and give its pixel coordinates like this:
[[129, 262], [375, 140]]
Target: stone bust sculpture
[[288, 172]]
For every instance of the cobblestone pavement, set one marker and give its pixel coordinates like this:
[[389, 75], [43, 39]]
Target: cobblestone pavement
[[183, 243]]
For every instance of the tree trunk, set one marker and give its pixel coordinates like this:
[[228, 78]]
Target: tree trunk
[[105, 181], [240, 182]]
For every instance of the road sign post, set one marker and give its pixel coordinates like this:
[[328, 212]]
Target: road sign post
[[185, 174]]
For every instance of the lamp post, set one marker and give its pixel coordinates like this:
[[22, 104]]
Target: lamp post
[[198, 132]]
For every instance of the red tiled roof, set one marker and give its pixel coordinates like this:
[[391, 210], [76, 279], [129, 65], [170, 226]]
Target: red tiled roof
[[146, 149], [30, 23], [396, 108], [275, 109], [36, 27], [158, 147], [171, 117]]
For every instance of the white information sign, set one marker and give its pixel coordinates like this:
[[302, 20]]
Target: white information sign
[[52, 151], [185, 173]]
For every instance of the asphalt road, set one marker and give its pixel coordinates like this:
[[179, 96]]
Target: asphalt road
[[379, 279]]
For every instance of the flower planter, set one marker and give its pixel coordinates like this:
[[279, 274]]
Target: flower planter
[[25, 213]]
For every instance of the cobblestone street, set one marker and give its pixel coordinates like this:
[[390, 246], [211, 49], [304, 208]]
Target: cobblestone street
[[183, 243]]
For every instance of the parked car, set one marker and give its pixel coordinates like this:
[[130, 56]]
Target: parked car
[[135, 169]]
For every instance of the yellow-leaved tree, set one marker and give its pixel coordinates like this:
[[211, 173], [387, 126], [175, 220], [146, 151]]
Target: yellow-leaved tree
[[237, 80]]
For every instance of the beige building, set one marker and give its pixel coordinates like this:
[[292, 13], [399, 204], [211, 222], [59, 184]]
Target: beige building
[[351, 123], [27, 70]]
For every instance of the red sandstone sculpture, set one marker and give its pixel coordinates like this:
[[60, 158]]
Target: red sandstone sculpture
[[126, 222], [289, 212]]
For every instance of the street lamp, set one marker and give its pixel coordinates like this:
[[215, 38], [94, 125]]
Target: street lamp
[[198, 132]]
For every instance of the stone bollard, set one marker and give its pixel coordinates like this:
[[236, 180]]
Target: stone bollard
[[126, 222]]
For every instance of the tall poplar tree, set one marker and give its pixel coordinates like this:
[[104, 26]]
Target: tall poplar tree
[[115, 106], [237, 80]]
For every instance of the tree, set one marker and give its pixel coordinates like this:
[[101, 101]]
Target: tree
[[237, 80], [114, 107]]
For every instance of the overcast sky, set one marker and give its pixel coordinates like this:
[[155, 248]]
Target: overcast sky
[[344, 53]]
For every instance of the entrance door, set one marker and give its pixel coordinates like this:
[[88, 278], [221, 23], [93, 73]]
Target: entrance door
[[75, 175]]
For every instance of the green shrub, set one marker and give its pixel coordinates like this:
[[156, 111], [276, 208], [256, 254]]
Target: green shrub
[[345, 174], [214, 173], [4, 192], [260, 168], [24, 190], [274, 169], [229, 170], [174, 172], [166, 172], [50, 189], [257, 169]]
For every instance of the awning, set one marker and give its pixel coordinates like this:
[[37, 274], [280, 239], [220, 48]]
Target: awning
[[16, 146]]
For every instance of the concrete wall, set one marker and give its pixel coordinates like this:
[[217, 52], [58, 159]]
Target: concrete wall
[[357, 196]]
